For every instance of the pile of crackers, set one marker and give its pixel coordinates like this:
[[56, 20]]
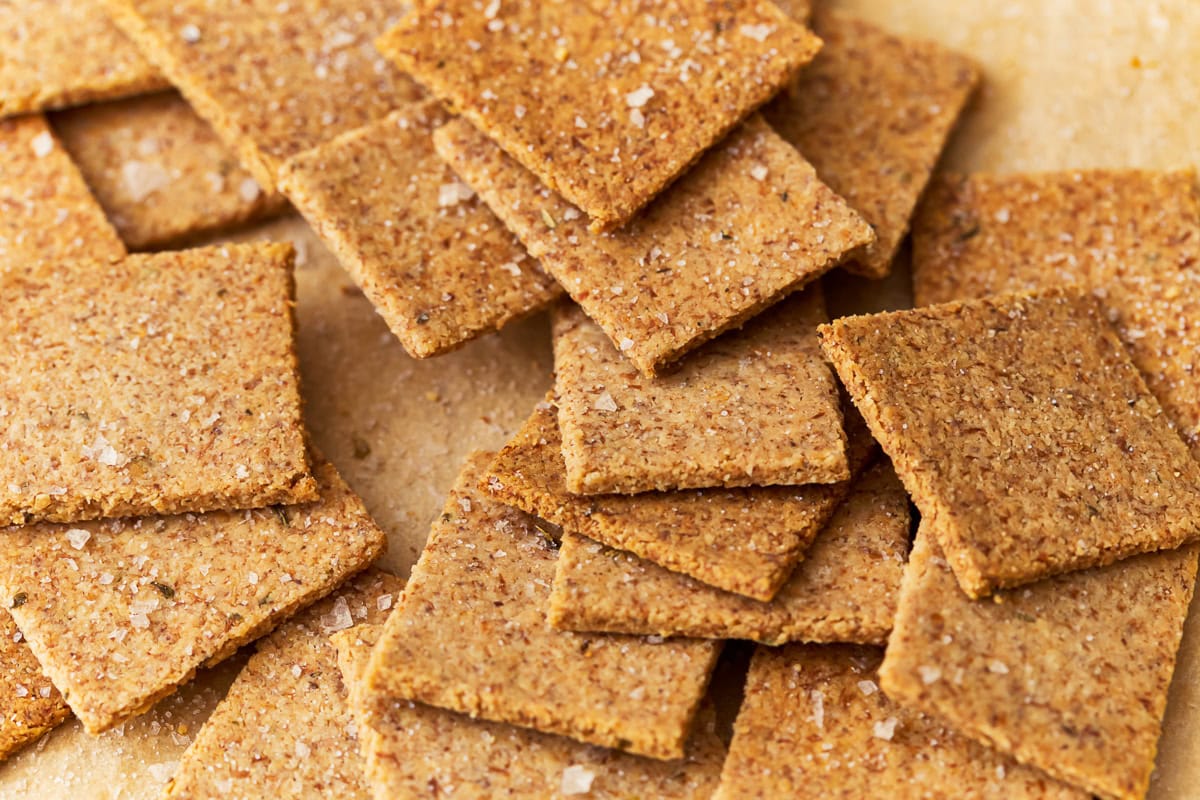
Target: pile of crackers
[[740, 550]]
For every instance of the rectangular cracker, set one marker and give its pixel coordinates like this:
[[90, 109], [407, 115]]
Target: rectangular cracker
[[1020, 426], [158, 170], [748, 225], [166, 595], [814, 724], [430, 256], [285, 729], [1129, 235], [605, 103], [209, 331], [480, 589], [873, 113], [1069, 675], [756, 407], [845, 589], [273, 79], [409, 749], [30, 706]]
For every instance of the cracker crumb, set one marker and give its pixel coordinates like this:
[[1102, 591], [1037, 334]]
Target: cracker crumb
[[577, 780]]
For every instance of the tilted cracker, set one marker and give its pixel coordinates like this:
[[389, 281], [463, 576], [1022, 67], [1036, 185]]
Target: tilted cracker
[[845, 589], [814, 724], [285, 730], [166, 595], [763, 398], [1020, 426], [480, 590], [433, 259], [30, 706], [605, 103], [746, 226], [408, 748], [873, 113], [1069, 675]]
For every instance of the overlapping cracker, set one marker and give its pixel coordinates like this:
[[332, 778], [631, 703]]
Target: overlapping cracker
[[409, 748], [166, 595], [29, 704], [814, 724], [1023, 431], [285, 729], [605, 103], [1069, 675], [873, 113], [745, 227], [480, 590], [845, 589], [433, 259], [758, 407]]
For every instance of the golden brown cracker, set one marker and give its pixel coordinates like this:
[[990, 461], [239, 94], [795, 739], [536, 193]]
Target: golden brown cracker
[[29, 704]]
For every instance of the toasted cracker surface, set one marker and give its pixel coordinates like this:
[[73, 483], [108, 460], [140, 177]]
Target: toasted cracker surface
[[748, 225], [815, 724], [1069, 675], [873, 113], [763, 398], [481, 587], [30, 706], [1020, 426], [432, 258]]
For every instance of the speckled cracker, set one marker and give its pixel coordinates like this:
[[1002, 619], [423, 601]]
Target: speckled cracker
[[285, 729], [756, 407], [1130, 235], [873, 113], [1022, 429], [845, 589], [29, 704], [605, 103], [748, 225], [1069, 675], [431, 257], [273, 79], [815, 724], [158, 170], [409, 748], [165, 595], [480, 591]]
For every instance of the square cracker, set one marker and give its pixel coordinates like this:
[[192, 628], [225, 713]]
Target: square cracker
[[30, 706], [158, 170], [210, 331], [873, 113], [814, 724], [480, 589], [845, 589], [763, 398], [1069, 675], [285, 729], [430, 256], [748, 225], [409, 747], [606, 103], [273, 79], [1020, 426], [166, 595], [1129, 235]]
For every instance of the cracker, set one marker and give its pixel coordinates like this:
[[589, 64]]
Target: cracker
[[285, 729], [480, 589], [799, 10], [844, 590], [763, 398], [166, 595], [1020, 426], [30, 706], [273, 79], [410, 748], [605, 103], [873, 113], [1069, 675], [747, 226], [433, 259], [814, 723], [160, 173]]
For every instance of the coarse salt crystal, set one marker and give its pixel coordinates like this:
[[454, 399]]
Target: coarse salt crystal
[[758, 33], [297, 671], [451, 194], [639, 97], [190, 34], [868, 688], [143, 178], [577, 779], [303, 750], [105, 578], [161, 773], [580, 122], [886, 729], [758, 172], [339, 618], [241, 472], [998, 667], [383, 602], [818, 703], [626, 344], [637, 118], [929, 674], [511, 268], [519, 111], [139, 621], [492, 9], [78, 537], [42, 144], [249, 190], [253, 578], [22, 691], [605, 402]]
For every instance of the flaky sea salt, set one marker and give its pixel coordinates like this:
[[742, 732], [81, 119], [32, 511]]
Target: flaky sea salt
[[383, 602], [78, 537], [639, 97], [868, 688], [143, 178], [605, 402], [886, 729], [339, 618], [190, 33], [42, 144], [818, 702], [577, 779], [451, 194], [626, 344], [758, 172]]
